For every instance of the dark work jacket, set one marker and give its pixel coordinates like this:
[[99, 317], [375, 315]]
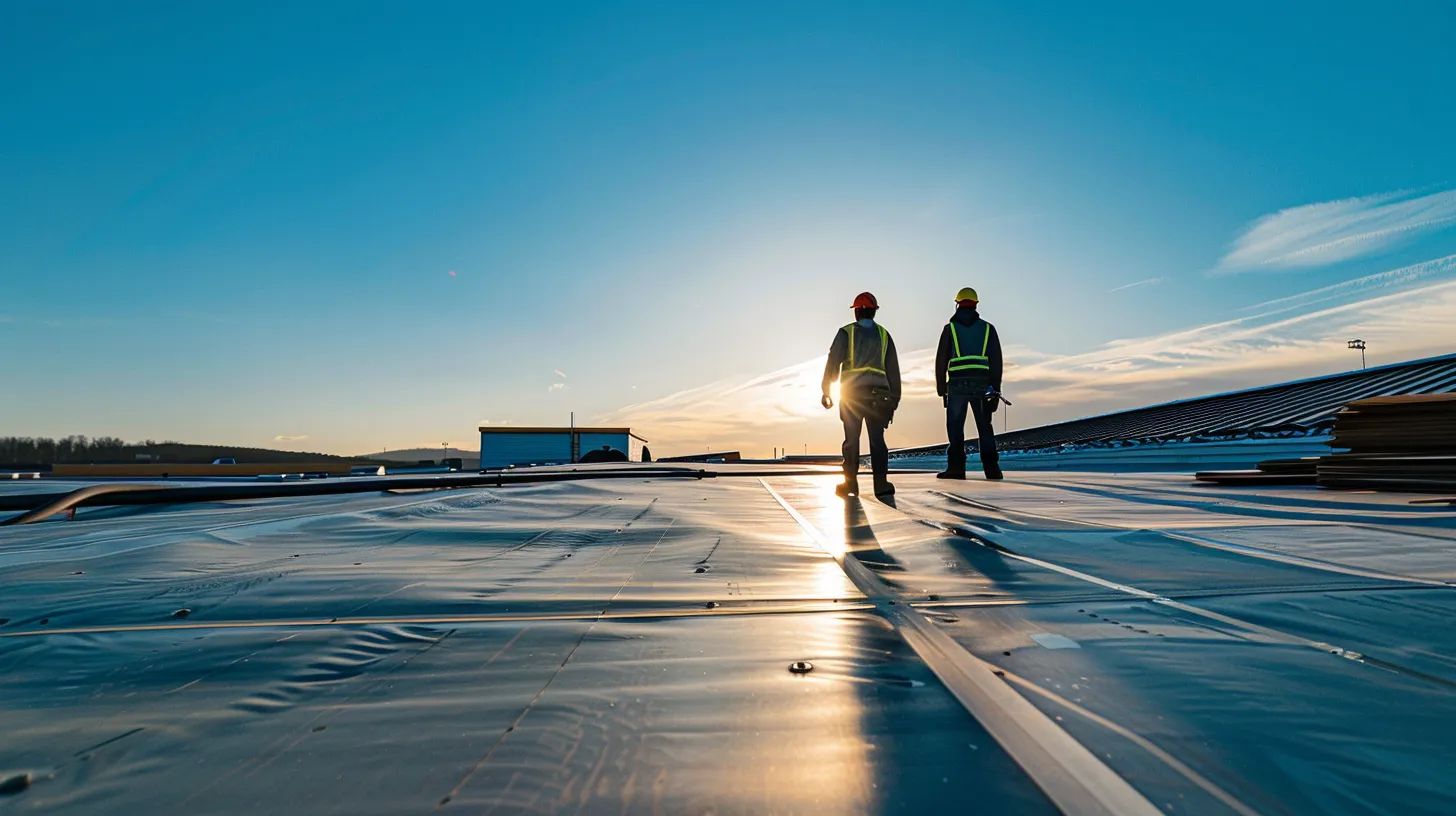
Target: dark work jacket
[[946, 350], [867, 345]]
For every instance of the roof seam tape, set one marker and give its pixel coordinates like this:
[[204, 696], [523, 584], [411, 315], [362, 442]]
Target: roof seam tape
[[1252, 631], [1075, 780], [815, 607], [1228, 799], [1238, 549]]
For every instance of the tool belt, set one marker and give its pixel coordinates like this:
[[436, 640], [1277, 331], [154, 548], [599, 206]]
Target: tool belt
[[880, 404], [972, 385]]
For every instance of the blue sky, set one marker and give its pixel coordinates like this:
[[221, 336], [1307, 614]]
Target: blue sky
[[237, 224]]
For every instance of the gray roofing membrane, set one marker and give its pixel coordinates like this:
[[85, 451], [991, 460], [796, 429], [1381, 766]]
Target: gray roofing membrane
[[624, 646]]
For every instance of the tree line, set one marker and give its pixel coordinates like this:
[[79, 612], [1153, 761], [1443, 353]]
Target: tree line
[[70, 450]]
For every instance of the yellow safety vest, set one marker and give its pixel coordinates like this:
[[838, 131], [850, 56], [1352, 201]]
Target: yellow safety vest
[[969, 366], [850, 367]]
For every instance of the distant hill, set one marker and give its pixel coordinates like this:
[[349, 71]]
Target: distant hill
[[411, 455], [29, 452]]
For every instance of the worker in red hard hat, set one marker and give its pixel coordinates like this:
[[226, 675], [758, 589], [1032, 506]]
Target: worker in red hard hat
[[863, 359], [968, 378]]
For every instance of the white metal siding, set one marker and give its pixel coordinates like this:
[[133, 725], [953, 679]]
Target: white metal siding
[[498, 450]]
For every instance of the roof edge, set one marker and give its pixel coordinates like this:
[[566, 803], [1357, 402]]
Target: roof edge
[[537, 429]]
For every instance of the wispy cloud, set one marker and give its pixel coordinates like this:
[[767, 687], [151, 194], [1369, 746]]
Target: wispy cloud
[[283, 438], [558, 372], [555, 387], [1148, 282], [1403, 314], [1333, 231], [1239, 353], [1380, 281]]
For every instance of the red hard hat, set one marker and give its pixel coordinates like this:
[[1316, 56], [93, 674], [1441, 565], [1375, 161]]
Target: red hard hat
[[865, 300]]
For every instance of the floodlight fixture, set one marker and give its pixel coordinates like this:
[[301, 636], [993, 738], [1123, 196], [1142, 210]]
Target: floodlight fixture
[[1357, 344]]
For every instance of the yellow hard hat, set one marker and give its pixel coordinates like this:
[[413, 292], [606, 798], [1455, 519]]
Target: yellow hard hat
[[967, 294]]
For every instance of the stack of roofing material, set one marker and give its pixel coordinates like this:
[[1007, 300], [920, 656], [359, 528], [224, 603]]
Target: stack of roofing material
[[1410, 423], [1405, 442], [1271, 472], [1395, 443], [1303, 466]]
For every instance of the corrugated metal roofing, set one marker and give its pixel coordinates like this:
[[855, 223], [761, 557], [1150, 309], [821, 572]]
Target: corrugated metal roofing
[[1299, 408]]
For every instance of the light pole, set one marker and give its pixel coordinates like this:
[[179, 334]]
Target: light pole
[[1358, 344]]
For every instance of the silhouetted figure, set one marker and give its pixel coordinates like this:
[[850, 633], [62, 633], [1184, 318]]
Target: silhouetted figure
[[968, 378], [863, 359], [606, 454]]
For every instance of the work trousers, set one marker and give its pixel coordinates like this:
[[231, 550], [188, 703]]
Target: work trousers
[[879, 451], [956, 406]]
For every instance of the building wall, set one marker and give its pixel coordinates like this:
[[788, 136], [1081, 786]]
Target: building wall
[[498, 450]]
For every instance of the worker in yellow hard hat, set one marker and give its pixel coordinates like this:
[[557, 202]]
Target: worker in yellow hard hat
[[863, 359], [968, 378]]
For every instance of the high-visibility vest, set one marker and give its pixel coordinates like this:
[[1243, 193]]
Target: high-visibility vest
[[853, 366], [969, 366]]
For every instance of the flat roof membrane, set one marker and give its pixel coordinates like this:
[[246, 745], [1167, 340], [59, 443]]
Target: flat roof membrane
[[625, 646]]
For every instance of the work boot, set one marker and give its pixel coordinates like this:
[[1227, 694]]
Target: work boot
[[884, 488], [993, 473], [951, 473], [847, 488]]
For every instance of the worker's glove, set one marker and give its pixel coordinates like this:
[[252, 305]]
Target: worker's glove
[[826, 401], [993, 400], [945, 400]]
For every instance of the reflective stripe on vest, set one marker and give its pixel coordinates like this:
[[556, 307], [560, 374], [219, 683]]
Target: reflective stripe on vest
[[866, 369], [969, 362]]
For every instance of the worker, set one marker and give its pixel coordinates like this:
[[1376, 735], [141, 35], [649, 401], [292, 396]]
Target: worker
[[863, 359], [968, 377]]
